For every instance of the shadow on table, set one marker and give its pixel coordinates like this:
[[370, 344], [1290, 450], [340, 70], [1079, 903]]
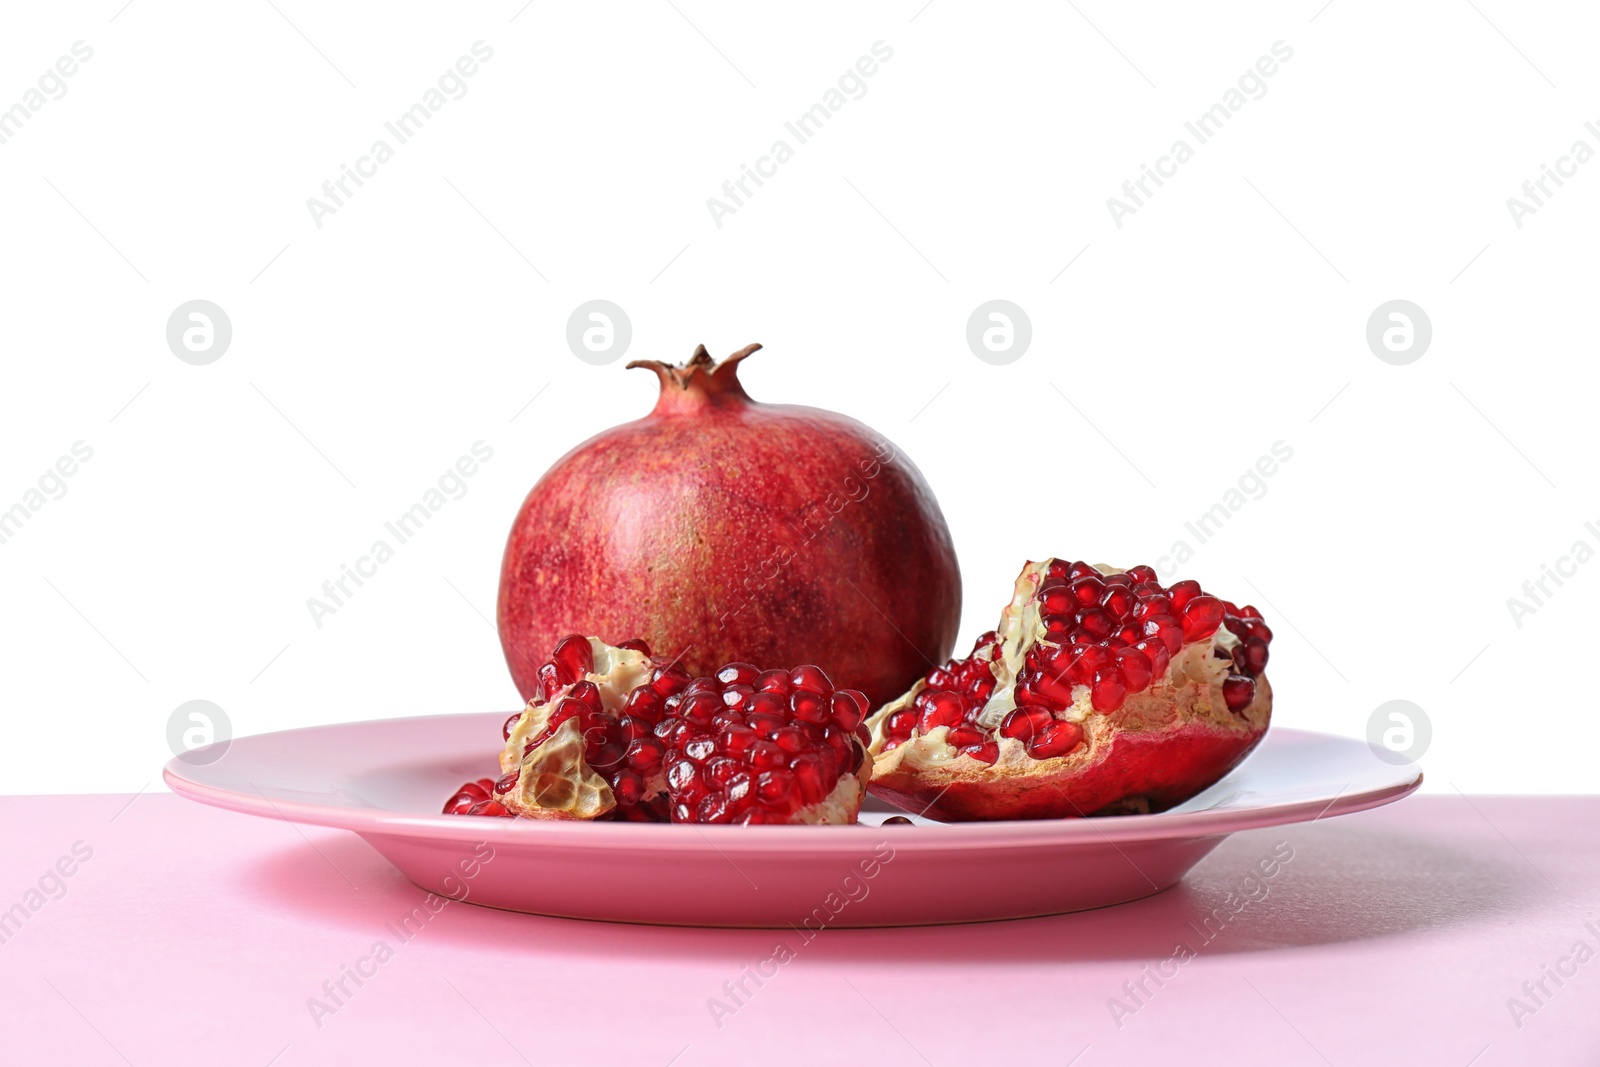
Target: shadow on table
[[1344, 882]]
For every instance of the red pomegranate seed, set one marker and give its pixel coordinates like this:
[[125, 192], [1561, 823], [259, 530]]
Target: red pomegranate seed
[[1056, 739], [738, 674], [645, 754], [901, 723], [1142, 573], [1024, 723], [775, 787], [773, 682], [1238, 691], [810, 677], [987, 752], [488, 807], [1255, 656], [1081, 569], [1108, 690], [964, 735], [511, 724], [942, 709], [1158, 604], [549, 681], [506, 783], [1088, 590], [1118, 601], [812, 779], [811, 707], [636, 644], [1201, 617], [1183, 592], [1097, 622], [573, 658], [1057, 600], [1135, 669], [849, 708], [628, 787], [699, 708], [736, 741]]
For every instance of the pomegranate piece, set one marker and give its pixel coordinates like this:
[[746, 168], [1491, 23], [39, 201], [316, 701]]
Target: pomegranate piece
[[1100, 691], [778, 506], [622, 736]]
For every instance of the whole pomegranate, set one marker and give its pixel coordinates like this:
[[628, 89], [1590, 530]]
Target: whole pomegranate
[[721, 530], [1101, 692]]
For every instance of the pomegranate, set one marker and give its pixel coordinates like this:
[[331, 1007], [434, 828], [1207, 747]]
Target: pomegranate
[[613, 733], [723, 529], [1101, 692]]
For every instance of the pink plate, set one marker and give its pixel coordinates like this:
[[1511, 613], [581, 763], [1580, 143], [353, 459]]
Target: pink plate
[[386, 780]]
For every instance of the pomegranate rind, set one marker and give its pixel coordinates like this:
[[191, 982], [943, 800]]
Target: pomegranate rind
[[1161, 747]]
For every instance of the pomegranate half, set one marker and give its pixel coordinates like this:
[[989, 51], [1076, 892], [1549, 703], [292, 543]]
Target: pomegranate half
[[1101, 692], [720, 529]]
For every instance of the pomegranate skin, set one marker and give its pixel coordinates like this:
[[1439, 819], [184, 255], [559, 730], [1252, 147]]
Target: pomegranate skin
[[721, 529]]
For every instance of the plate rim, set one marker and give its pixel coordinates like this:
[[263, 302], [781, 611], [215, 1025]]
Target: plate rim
[[933, 836]]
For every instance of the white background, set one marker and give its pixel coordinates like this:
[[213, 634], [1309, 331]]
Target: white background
[[368, 354]]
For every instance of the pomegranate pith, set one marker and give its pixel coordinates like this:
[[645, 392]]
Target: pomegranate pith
[[1101, 691], [621, 736], [733, 530]]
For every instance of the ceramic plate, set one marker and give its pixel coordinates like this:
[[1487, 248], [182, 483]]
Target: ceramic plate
[[386, 780]]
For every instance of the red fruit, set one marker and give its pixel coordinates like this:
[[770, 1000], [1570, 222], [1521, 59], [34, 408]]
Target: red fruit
[[823, 542], [1171, 679]]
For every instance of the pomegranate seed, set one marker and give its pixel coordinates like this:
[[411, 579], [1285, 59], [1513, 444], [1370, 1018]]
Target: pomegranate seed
[[849, 708], [573, 658], [1201, 617], [964, 735], [628, 787], [1080, 569], [644, 703], [700, 708], [812, 779], [1183, 592], [738, 674], [1108, 690], [1238, 691], [1024, 723], [988, 752], [1142, 573], [775, 787], [549, 681], [1118, 578], [1056, 739], [506, 783], [1055, 688], [1258, 629], [900, 724], [736, 741], [1135, 669], [1057, 627], [488, 807], [1057, 600], [1118, 602], [773, 682], [942, 709], [1255, 656], [668, 680], [1057, 568], [700, 749], [511, 724], [636, 644], [811, 707], [1158, 604], [807, 676], [1156, 652], [736, 695], [766, 755], [1088, 590], [1097, 623], [644, 755]]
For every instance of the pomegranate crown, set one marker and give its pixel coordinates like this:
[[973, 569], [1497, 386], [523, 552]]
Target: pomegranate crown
[[699, 382]]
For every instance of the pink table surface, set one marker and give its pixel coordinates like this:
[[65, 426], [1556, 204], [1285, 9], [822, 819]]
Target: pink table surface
[[192, 935]]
